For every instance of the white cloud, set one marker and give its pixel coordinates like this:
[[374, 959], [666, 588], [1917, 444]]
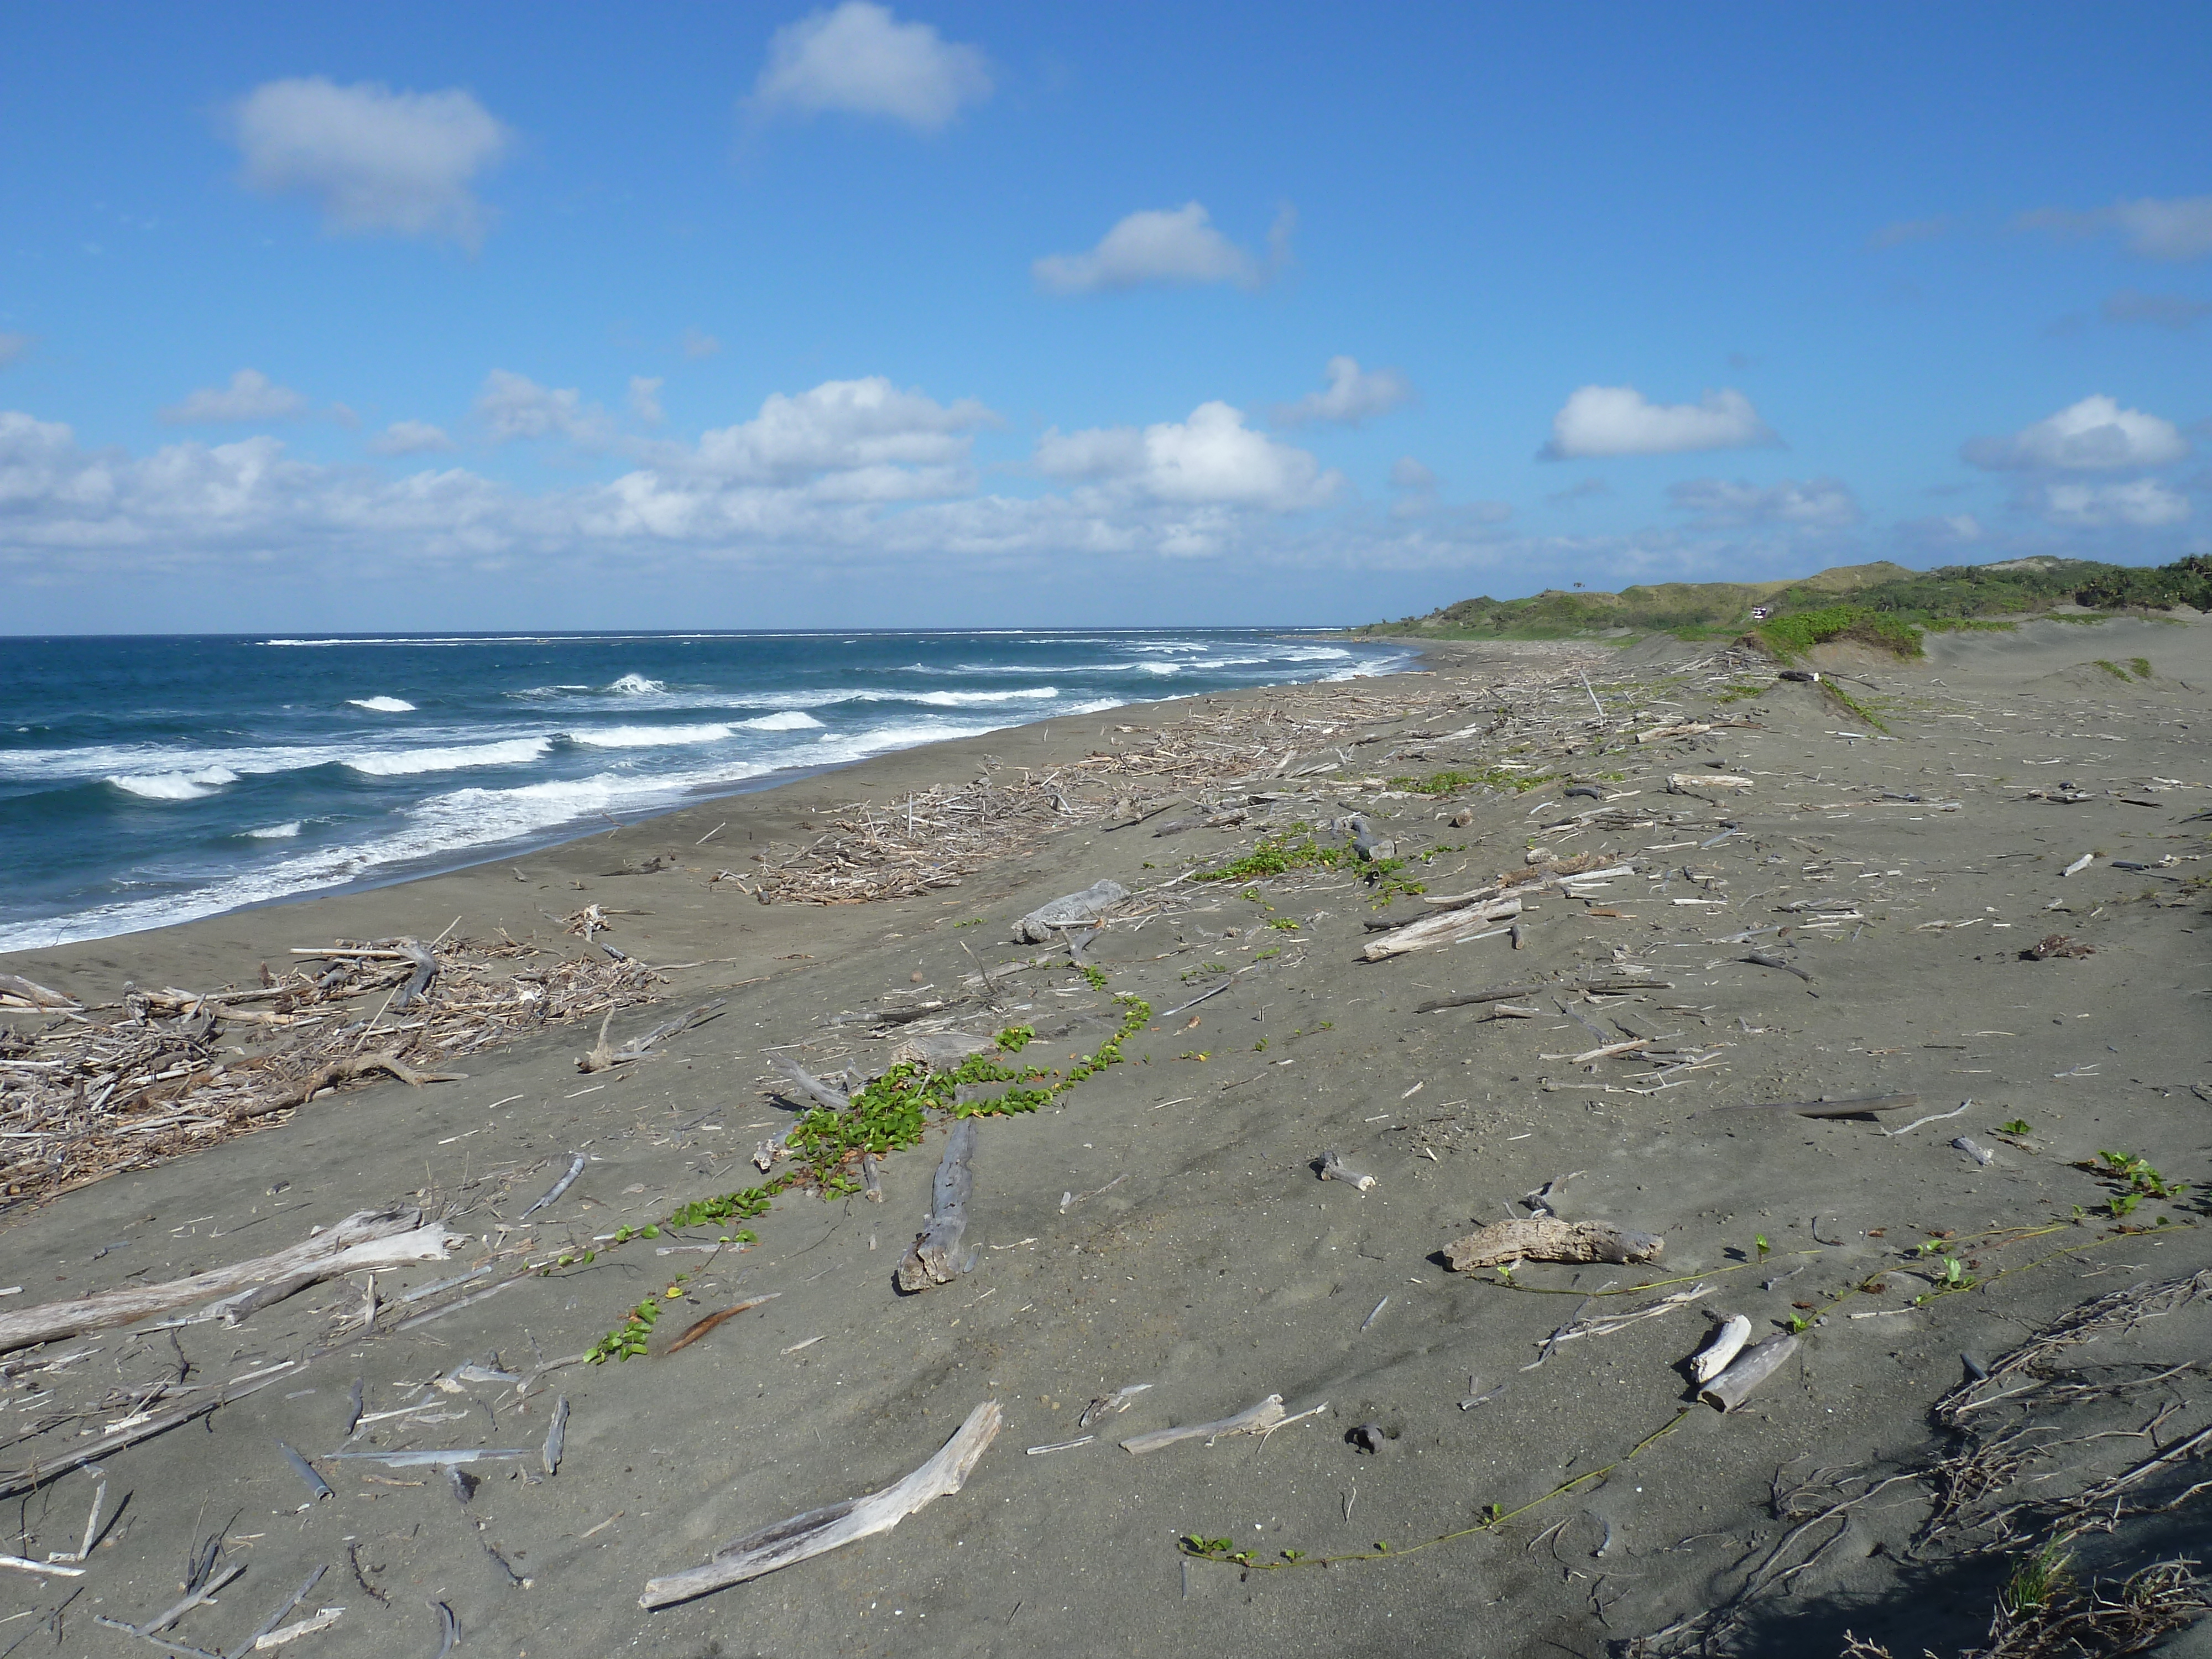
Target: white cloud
[[859, 60], [376, 160], [2178, 228], [1353, 395], [13, 346], [250, 396], [513, 406], [2094, 434], [2141, 504], [1816, 504], [1407, 473], [1618, 420], [410, 438], [697, 343], [644, 398], [2175, 311], [1213, 458], [1177, 245], [868, 431]]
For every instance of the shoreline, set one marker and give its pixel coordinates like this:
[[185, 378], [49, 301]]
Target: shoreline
[[1159, 1219]]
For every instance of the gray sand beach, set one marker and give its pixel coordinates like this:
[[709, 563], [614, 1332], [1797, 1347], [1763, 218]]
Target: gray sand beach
[[1482, 1463]]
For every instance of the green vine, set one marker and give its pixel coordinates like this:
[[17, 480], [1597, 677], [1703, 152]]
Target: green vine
[[884, 1116]]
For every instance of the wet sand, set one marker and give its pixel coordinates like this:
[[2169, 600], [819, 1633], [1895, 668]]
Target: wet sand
[[1162, 1223]]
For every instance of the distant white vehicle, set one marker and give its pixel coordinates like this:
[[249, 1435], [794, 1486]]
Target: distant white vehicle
[[1761, 613]]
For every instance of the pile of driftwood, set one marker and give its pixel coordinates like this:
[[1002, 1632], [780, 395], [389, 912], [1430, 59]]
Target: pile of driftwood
[[1211, 759], [88, 1091]]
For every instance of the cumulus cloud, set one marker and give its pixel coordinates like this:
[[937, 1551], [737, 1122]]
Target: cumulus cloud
[[375, 160], [878, 442], [513, 406], [1943, 530], [1177, 245], [1619, 420], [2178, 228], [697, 343], [1816, 504], [1353, 395], [2175, 311], [2092, 434], [644, 398], [1407, 473], [1213, 458], [250, 396], [858, 59], [13, 346], [2140, 504], [410, 438]]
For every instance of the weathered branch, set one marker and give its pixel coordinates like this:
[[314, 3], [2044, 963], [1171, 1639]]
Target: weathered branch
[[933, 1257]]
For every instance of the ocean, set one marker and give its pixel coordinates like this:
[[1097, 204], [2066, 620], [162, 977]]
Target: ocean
[[148, 780]]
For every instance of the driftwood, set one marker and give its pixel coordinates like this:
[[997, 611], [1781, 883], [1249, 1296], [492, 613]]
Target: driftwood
[[1547, 1238], [576, 1162], [819, 1531], [1507, 993], [24, 990], [933, 1259], [1255, 1419], [699, 1327], [335, 1072], [602, 1058], [809, 1085], [1070, 910], [1749, 1368], [1440, 929], [1334, 1168], [1762, 959], [369, 1239], [1864, 1106], [418, 984], [1726, 1342], [556, 1436], [14, 1483], [940, 1051]]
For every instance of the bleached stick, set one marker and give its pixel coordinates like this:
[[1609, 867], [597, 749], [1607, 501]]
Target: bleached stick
[[367, 1239], [819, 1531], [1255, 1419], [1750, 1368]]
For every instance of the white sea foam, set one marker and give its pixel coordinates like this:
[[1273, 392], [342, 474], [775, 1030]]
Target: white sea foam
[[277, 831], [636, 685], [968, 699], [384, 705], [406, 763], [789, 720], [177, 786], [647, 737]]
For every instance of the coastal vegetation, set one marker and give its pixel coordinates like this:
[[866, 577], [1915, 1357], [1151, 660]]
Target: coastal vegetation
[[1882, 604]]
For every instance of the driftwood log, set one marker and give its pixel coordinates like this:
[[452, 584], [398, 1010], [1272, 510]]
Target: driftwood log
[[334, 1072], [1746, 1371], [1726, 1343], [1443, 929], [819, 1531], [369, 1239], [1334, 1168], [1081, 909], [941, 1051], [1254, 1419], [29, 991], [934, 1256], [1547, 1238], [811, 1086]]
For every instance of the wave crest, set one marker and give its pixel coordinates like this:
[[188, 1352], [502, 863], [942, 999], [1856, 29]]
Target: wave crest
[[406, 763]]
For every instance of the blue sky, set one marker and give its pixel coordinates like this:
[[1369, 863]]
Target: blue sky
[[949, 315]]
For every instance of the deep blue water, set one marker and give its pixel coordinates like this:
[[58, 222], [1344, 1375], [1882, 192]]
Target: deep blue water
[[146, 780]]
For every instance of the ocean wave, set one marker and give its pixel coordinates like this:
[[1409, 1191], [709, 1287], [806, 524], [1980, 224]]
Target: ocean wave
[[406, 763], [648, 737], [967, 699], [384, 705], [274, 831], [636, 685], [788, 719], [177, 786]]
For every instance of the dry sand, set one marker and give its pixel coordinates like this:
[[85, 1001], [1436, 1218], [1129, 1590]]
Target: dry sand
[[1163, 1223]]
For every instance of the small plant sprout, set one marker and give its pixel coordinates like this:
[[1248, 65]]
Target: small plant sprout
[[1759, 1239], [2019, 1126]]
